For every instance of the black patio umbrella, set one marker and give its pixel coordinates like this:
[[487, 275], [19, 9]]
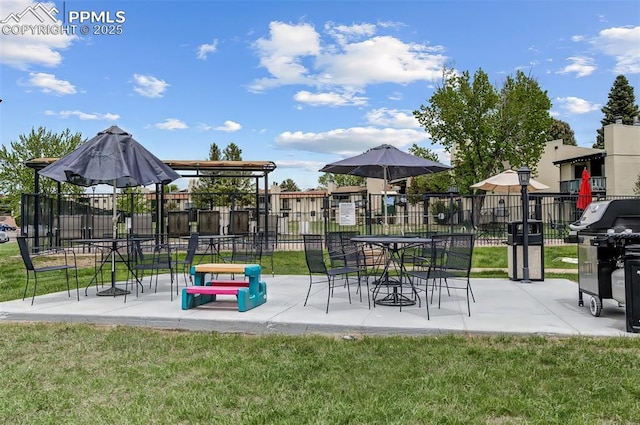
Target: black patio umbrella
[[112, 157], [385, 162]]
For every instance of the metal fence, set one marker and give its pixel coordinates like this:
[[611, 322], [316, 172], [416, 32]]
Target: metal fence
[[54, 221]]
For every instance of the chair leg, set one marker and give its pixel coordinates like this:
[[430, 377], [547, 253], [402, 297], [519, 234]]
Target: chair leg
[[66, 273], [35, 285], [26, 286], [77, 286], [308, 290], [329, 293]]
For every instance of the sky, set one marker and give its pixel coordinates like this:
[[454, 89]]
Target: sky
[[299, 83]]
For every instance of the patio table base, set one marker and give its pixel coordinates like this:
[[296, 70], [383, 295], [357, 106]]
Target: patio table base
[[113, 291]]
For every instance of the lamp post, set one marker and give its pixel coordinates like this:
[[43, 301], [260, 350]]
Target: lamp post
[[452, 191], [524, 174]]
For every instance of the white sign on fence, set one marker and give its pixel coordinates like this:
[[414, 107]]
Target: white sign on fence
[[347, 212]]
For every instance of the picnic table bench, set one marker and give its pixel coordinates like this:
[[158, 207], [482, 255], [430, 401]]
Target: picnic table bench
[[250, 293]]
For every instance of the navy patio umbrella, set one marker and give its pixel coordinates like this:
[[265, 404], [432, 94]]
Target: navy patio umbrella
[[112, 157], [385, 162]]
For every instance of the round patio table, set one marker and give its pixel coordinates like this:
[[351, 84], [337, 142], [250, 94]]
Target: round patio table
[[393, 247]]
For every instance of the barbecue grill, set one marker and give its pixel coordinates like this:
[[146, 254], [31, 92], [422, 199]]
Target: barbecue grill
[[608, 249]]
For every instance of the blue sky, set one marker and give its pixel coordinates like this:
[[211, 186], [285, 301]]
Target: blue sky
[[300, 83]]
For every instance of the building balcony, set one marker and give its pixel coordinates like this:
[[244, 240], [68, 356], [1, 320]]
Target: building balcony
[[598, 185]]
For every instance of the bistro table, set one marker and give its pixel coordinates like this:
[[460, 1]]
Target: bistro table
[[114, 247], [393, 247], [213, 245]]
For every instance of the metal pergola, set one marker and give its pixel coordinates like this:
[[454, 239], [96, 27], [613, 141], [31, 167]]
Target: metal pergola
[[186, 168]]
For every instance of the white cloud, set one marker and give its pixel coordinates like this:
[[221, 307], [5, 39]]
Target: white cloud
[[392, 118], [229, 127], [623, 44], [84, 116], [329, 99], [149, 86], [281, 54], [171, 124], [298, 164], [580, 65], [576, 105], [345, 33], [204, 127], [25, 49], [577, 38], [349, 141], [205, 49], [48, 83], [297, 54]]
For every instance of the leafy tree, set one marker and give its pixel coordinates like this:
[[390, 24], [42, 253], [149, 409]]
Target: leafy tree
[[288, 185], [483, 127], [621, 104], [16, 178], [561, 130], [340, 180], [132, 194], [437, 182], [218, 190]]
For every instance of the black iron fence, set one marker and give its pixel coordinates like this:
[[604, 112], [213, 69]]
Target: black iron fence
[[54, 221]]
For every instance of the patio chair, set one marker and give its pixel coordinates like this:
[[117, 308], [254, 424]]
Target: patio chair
[[419, 262], [160, 258], [267, 248], [455, 266], [246, 249], [31, 267], [336, 242], [187, 261], [316, 263]]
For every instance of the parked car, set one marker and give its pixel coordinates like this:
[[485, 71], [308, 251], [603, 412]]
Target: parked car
[[4, 227], [4, 237]]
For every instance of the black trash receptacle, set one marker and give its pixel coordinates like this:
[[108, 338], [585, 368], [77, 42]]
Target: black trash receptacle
[[515, 249], [632, 287]]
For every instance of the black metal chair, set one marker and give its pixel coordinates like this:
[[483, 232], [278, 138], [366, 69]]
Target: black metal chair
[[455, 266], [419, 262], [267, 248], [336, 242], [187, 261], [316, 263], [159, 259], [32, 268], [245, 249]]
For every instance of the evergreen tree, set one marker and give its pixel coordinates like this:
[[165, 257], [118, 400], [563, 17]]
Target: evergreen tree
[[218, 190], [562, 130], [288, 185], [621, 104]]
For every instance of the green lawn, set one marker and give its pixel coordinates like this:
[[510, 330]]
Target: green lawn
[[80, 374]]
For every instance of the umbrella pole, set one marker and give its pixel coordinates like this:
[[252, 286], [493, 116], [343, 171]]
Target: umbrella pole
[[115, 235], [386, 217]]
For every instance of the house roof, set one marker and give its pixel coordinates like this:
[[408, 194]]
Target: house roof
[[570, 154], [350, 189]]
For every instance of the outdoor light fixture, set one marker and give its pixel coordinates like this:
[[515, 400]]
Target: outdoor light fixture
[[524, 174], [453, 190]]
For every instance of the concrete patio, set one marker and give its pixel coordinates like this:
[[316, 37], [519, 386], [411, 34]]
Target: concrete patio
[[502, 307]]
